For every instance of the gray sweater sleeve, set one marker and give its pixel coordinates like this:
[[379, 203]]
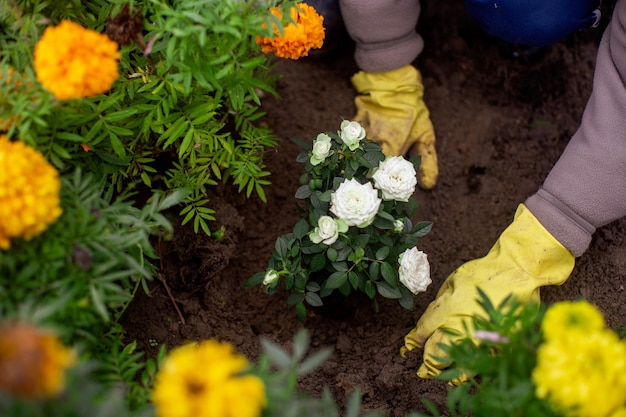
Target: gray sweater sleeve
[[586, 188], [384, 32]]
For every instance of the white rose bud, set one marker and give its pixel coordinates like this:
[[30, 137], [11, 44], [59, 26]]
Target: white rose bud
[[321, 148], [414, 270], [398, 225], [355, 203], [271, 276], [351, 133], [327, 230], [396, 178]]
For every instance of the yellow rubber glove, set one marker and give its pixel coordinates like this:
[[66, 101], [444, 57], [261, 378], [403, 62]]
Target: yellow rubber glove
[[525, 258], [391, 109]]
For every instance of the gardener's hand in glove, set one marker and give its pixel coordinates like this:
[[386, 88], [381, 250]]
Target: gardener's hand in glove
[[525, 257], [391, 109]]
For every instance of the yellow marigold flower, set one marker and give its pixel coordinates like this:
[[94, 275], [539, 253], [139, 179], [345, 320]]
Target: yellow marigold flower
[[29, 192], [207, 380], [298, 38], [583, 375], [564, 318], [74, 62], [32, 362]]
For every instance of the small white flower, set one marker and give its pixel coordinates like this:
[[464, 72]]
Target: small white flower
[[398, 225], [355, 203], [321, 148], [327, 230], [396, 178], [351, 133], [271, 276], [414, 270]]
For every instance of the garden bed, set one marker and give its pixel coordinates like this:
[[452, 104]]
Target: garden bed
[[501, 124]]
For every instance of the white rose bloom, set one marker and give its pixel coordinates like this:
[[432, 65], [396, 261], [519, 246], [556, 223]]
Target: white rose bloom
[[355, 203], [414, 270], [351, 133], [396, 178], [321, 148], [327, 231], [271, 276]]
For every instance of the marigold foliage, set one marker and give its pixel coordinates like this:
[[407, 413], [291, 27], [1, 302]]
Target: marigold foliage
[[74, 62], [14, 85], [29, 192], [298, 38], [582, 372], [206, 380], [32, 362]]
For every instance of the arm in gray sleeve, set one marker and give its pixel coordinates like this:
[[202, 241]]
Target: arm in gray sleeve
[[586, 188], [384, 32]]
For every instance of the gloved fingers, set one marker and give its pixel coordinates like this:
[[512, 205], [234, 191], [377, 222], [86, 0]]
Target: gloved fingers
[[411, 341], [388, 127], [435, 359], [433, 318], [422, 143], [429, 165]]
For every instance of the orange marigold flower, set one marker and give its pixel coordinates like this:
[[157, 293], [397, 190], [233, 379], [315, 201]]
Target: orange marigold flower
[[74, 62], [298, 38], [29, 192], [85, 147], [32, 362]]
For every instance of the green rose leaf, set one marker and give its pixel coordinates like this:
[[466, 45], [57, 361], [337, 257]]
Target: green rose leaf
[[313, 299], [370, 290], [374, 270], [336, 280], [301, 229], [281, 246], [388, 291], [301, 311], [422, 229], [353, 277], [407, 298], [340, 266], [303, 192], [318, 262], [389, 274], [382, 253], [255, 279], [295, 298]]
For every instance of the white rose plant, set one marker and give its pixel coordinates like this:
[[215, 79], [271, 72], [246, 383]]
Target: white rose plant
[[356, 233]]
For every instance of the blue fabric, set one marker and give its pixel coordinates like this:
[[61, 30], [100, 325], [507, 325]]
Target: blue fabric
[[533, 22]]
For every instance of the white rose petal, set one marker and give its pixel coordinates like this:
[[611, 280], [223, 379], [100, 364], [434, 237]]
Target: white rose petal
[[355, 203], [414, 270], [351, 133], [271, 276], [396, 178], [321, 148], [327, 231]]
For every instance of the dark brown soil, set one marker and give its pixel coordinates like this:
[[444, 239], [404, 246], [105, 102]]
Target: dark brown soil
[[501, 124]]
